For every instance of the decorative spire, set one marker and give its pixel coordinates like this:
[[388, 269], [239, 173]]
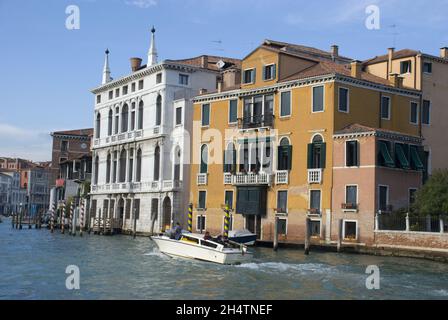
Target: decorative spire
[[152, 54], [106, 69]]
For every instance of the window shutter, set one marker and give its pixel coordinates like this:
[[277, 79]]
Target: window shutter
[[323, 155], [274, 71], [356, 153], [254, 74], [280, 158], [264, 73], [233, 168], [289, 152], [224, 162], [310, 155]]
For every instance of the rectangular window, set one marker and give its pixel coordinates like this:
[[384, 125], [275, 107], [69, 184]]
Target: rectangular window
[[282, 202], [159, 78], [117, 92], [64, 146], [178, 116], [233, 111], [111, 95], [269, 72], [385, 108], [427, 67], [125, 90], [249, 76], [98, 98], [352, 157], [133, 87], [205, 115], [412, 194], [414, 113], [315, 201], [426, 112], [343, 100], [183, 79], [137, 209], [285, 107], [383, 198], [282, 226], [200, 223], [140, 85], [318, 99], [128, 209], [351, 196], [229, 198], [202, 199], [405, 67], [350, 230]]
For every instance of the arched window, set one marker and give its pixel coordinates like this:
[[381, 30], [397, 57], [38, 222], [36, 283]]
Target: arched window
[[108, 165], [317, 153], [177, 162], [98, 126], [204, 159], [284, 155], [131, 165], [230, 159], [133, 116], [159, 110], [124, 118], [157, 164], [140, 115], [97, 164], [138, 174], [114, 169], [117, 120], [122, 166], [109, 122]]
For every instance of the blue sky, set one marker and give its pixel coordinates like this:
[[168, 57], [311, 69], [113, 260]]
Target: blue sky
[[47, 70]]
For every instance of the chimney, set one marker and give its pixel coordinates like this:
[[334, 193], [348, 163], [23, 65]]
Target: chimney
[[444, 52], [204, 61], [135, 64], [396, 80], [202, 91], [390, 54], [356, 69], [334, 51], [220, 86]]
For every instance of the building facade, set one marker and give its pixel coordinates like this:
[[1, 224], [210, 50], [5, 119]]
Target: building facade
[[141, 154], [428, 73], [269, 147]]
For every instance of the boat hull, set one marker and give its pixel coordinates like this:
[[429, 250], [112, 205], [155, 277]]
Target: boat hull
[[192, 251]]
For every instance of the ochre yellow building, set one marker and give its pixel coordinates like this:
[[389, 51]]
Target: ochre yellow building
[[263, 142]]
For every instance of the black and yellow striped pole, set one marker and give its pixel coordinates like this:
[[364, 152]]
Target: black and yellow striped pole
[[190, 218], [226, 221]]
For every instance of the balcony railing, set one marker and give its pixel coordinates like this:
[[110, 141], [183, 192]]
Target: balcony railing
[[257, 121], [314, 212], [227, 178], [129, 187], [202, 179], [349, 206], [282, 177], [261, 178], [315, 176]]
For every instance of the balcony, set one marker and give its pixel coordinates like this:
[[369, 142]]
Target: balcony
[[242, 179], [202, 179], [130, 187], [227, 178], [282, 177], [127, 137], [255, 122], [314, 176]]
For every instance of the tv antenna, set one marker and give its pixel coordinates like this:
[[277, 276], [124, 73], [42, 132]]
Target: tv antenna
[[394, 33]]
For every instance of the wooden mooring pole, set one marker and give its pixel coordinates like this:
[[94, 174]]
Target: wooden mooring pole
[[135, 223], [81, 218], [307, 236], [276, 234], [340, 235]]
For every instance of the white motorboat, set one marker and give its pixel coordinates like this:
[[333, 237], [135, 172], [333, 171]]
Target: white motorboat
[[243, 236], [194, 246]]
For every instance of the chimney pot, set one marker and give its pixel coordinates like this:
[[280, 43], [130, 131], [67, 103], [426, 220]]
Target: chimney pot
[[334, 51], [204, 61], [135, 64], [202, 91], [356, 69], [390, 54], [396, 80], [444, 52]]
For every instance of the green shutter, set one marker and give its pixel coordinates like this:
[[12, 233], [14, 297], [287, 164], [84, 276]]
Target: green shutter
[[310, 155], [280, 158], [274, 72], [385, 154], [323, 156], [415, 159], [289, 153], [356, 152], [402, 159]]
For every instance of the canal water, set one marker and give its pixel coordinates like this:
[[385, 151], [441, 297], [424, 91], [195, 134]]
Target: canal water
[[33, 264]]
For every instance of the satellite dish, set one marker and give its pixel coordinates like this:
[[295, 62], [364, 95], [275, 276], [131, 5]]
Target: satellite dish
[[220, 64]]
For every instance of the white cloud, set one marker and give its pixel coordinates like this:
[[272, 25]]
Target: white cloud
[[143, 4]]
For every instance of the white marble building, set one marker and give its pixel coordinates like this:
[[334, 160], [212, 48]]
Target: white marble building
[[141, 140]]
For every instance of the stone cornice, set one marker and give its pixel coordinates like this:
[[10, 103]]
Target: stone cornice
[[380, 134]]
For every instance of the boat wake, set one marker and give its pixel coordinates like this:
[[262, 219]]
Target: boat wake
[[441, 293], [272, 267], [155, 252]]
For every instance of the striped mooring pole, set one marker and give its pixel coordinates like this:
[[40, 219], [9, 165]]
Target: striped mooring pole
[[226, 221], [63, 218], [53, 207], [190, 218], [81, 218], [70, 219]]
